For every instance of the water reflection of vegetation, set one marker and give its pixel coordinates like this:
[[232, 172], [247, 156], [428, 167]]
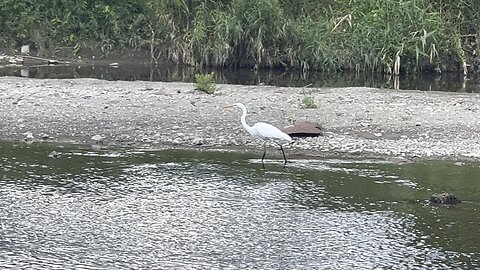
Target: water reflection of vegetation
[[143, 72]]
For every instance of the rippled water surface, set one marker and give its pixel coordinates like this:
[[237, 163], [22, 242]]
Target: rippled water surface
[[125, 209]]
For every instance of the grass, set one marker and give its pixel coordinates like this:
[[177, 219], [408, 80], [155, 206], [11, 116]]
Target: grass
[[205, 82], [308, 102], [355, 35]]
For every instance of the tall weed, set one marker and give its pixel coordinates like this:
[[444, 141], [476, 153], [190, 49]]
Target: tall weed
[[361, 35]]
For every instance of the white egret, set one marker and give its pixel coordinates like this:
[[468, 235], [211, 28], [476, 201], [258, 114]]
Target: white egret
[[264, 131]]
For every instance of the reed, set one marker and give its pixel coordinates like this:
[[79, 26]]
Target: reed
[[388, 36]]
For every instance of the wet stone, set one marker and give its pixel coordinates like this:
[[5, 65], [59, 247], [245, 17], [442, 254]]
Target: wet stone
[[197, 141], [44, 136], [54, 154], [28, 135], [444, 199]]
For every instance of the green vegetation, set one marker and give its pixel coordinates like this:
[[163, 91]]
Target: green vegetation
[[330, 35], [308, 103], [205, 82]]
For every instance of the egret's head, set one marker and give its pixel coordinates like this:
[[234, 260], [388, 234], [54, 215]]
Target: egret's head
[[239, 105], [229, 106]]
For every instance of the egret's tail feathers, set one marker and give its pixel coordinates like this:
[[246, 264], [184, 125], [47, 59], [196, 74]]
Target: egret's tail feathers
[[287, 138]]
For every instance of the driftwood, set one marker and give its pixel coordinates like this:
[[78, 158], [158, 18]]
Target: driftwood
[[27, 59]]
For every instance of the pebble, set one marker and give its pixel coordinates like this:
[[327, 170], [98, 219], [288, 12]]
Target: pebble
[[147, 140], [98, 139], [197, 141], [44, 136], [356, 151], [54, 154], [28, 135]]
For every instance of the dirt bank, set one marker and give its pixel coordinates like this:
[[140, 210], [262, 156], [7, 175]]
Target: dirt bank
[[358, 121]]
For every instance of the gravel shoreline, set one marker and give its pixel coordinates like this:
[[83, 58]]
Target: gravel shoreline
[[364, 122]]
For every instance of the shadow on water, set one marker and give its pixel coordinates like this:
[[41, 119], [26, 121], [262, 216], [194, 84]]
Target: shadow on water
[[138, 71], [120, 208]]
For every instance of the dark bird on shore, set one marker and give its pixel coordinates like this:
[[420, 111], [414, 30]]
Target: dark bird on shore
[[264, 131]]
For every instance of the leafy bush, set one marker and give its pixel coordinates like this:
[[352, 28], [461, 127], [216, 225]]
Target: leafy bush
[[205, 82]]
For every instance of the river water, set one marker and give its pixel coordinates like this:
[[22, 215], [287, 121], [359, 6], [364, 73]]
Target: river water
[[177, 209]]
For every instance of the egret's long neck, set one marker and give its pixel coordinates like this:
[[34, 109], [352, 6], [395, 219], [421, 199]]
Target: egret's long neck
[[244, 122]]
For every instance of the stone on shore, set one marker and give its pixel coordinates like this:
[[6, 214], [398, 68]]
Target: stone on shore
[[304, 129]]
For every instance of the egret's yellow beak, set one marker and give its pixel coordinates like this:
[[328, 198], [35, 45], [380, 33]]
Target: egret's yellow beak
[[229, 106]]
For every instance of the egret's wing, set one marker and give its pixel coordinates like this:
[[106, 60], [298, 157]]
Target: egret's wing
[[269, 132]]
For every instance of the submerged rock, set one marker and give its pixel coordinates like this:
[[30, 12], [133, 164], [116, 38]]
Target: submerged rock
[[444, 198], [54, 154]]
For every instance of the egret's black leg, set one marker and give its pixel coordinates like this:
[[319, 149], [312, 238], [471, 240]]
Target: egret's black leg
[[264, 152], [283, 152]]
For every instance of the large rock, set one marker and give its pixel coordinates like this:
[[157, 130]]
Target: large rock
[[304, 129], [444, 198]]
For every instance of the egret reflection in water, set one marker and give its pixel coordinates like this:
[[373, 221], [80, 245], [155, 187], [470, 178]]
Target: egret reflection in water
[[116, 209]]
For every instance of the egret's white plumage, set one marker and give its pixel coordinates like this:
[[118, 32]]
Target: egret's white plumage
[[268, 132], [264, 131]]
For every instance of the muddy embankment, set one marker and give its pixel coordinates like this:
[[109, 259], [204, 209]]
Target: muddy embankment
[[362, 122]]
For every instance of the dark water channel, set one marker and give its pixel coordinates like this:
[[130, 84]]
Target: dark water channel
[[132, 71], [177, 209]]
